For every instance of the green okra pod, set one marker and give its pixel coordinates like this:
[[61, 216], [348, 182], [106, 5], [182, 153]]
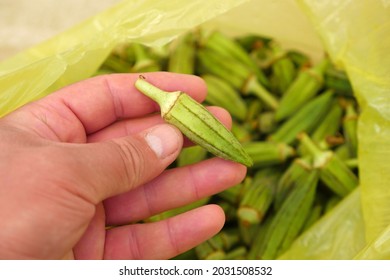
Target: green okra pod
[[283, 69], [234, 194], [305, 86], [334, 173], [328, 128], [182, 55], [191, 155], [196, 122], [259, 196], [116, 64], [255, 108], [247, 231], [266, 153], [240, 76], [305, 120], [258, 241], [342, 152], [330, 125], [222, 44], [220, 93], [291, 178], [288, 221], [143, 60]]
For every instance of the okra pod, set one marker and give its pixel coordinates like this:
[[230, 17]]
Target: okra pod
[[234, 194], [343, 152], [305, 120], [305, 86], [288, 221], [116, 64], [240, 76], [196, 122], [259, 196], [291, 178], [264, 153], [191, 155], [222, 44], [255, 107], [222, 67], [252, 86], [328, 127], [182, 55], [258, 243], [283, 69], [334, 173], [143, 61], [247, 231], [220, 93]]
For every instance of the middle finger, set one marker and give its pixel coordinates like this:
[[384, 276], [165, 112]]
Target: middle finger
[[174, 188]]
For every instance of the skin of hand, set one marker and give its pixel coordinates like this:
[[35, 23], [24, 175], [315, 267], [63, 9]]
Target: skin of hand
[[81, 167]]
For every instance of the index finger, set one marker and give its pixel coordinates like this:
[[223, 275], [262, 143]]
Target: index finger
[[78, 110], [100, 101]]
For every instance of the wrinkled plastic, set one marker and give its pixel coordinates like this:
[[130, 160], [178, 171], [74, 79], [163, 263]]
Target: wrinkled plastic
[[355, 33]]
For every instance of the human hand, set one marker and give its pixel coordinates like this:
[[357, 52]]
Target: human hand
[[80, 167]]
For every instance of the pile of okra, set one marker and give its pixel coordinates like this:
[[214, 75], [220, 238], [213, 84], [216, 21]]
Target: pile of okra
[[295, 118]]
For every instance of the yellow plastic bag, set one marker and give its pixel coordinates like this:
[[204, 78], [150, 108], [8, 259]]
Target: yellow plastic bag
[[356, 34]]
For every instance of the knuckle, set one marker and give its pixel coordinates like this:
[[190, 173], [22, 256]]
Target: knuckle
[[132, 161]]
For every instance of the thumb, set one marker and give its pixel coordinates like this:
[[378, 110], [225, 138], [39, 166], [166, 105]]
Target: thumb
[[119, 165]]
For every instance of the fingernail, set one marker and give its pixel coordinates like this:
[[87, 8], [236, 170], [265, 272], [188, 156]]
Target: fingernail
[[164, 140]]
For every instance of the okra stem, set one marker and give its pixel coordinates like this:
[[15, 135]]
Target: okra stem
[[253, 86], [309, 145], [166, 100]]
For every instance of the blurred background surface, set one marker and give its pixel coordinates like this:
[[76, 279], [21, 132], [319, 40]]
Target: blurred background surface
[[24, 23]]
